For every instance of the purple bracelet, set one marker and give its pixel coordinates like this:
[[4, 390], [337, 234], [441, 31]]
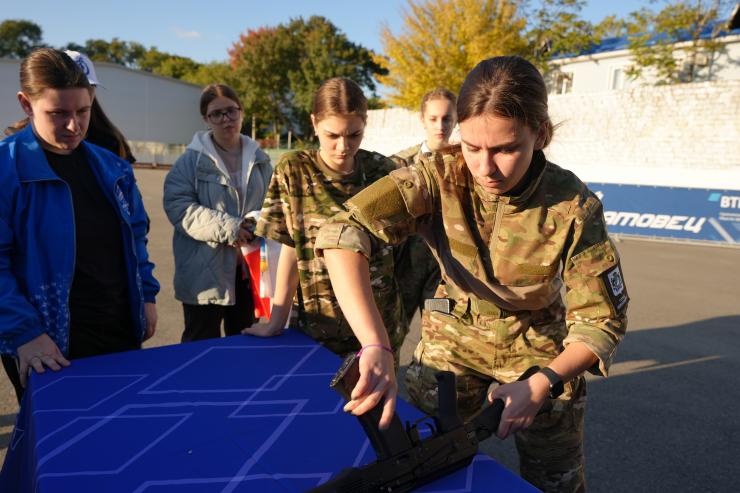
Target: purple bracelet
[[359, 353]]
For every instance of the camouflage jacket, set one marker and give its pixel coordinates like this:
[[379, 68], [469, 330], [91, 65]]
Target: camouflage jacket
[[407, 157], [513, 253], [303, 194]]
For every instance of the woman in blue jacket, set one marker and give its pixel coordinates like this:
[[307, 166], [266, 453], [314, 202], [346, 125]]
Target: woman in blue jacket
[[75, 277]]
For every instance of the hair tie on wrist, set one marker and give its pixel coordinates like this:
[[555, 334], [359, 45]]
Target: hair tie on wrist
[[386, 348]]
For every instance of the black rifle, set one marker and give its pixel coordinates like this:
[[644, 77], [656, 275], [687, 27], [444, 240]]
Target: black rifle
[[405, 461]]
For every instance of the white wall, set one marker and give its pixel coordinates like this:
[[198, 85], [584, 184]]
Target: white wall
[[144, 106], [592, 73], [686, 135], [392, 130]]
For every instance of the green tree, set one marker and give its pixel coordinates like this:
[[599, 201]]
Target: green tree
[[166, 64], [615, 27], [18, 38], [260, 60], [211, 73], [278, 69], [320, 51], [655, 50], [134, 55], [441, 40], [113, 51], [557, 29]]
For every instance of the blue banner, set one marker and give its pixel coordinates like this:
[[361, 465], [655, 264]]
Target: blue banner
[[668, 212]]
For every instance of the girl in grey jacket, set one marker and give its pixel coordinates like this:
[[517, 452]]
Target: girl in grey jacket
[[212, 197]]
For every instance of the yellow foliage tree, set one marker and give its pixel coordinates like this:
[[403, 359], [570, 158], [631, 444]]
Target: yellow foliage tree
[[441, 40]]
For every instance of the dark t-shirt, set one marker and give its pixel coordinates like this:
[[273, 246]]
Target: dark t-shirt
[[100, 313]]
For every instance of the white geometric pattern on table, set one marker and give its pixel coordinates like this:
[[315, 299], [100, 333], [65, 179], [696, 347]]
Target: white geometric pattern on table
[[264, 420]]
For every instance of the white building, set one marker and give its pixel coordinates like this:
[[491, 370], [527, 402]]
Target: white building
[[158, 115], [604, 67]]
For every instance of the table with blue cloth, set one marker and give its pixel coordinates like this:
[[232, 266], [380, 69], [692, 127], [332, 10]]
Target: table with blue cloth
[[237, 414]]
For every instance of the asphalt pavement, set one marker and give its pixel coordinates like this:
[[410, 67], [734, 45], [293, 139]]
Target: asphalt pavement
[[664, 420]]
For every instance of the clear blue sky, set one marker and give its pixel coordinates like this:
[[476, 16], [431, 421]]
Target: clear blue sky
[[204, 30]]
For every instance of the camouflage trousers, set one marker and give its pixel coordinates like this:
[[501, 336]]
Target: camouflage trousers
[[417, 274], [485, 350]]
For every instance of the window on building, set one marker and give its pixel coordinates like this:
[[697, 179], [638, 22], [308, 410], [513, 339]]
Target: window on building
[[562, 83], [616, 81]]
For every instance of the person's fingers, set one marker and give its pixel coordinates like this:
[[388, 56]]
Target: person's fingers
[[245, 236], [364, 384], [262, 330], [357, 396], [350, 406], [366, 404], [51, 362], [504, 427], [58, 357], [257, 330], [389, 408], [23, 374], [37, 364], [373, 398]]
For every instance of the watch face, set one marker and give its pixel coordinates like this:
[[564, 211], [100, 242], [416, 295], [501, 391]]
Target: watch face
[[556, 389], [556, 384]]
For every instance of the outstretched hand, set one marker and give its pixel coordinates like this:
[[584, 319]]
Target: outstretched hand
[[377, 381], [38, 354]]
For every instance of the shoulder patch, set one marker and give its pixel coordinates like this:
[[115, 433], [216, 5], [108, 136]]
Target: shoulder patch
[[615, 287]]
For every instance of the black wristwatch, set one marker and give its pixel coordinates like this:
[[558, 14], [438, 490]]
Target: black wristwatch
[[556, 383]]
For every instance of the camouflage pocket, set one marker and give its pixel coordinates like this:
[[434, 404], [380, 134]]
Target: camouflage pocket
[[567, 410], [524, 274], [421, 388], [421, 381]]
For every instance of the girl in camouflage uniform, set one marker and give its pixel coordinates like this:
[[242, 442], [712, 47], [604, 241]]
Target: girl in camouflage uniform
[[509, 229], [417, 270], [307, 188]]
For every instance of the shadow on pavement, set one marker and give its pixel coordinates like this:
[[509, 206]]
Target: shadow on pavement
[[665, 419]]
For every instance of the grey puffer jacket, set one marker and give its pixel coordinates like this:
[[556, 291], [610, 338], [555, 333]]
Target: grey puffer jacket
[[203, 206]]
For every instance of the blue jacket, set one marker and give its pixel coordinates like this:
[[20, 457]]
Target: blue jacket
[[37, 241]]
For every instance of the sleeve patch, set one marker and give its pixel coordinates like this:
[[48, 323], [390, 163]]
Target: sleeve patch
[[615, 287]]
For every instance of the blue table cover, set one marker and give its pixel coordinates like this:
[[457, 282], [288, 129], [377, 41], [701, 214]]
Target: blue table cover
[[236, 414]]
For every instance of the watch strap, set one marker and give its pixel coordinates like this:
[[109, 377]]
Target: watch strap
[[556, 382]]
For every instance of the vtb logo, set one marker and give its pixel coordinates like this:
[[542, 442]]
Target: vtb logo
[[725, 201]]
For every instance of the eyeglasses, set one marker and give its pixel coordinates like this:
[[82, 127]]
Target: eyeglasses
[[218, 116]]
